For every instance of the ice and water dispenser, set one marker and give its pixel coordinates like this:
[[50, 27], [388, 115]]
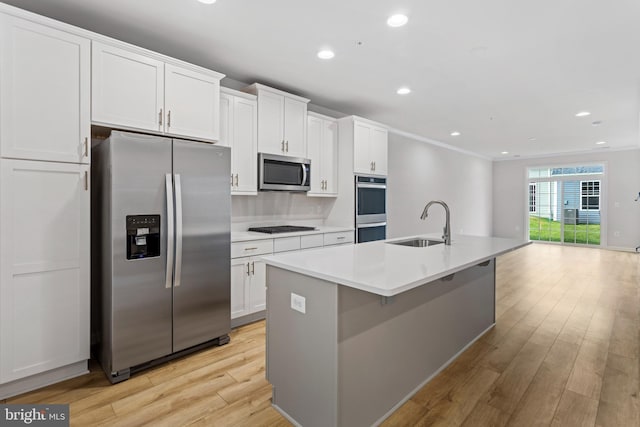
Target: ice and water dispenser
[[143, 236]]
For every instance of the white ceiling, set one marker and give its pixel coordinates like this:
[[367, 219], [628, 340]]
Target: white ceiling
[[498, 71]]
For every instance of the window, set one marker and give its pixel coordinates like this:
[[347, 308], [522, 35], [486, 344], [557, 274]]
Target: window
[[590, 195], [532, 196]]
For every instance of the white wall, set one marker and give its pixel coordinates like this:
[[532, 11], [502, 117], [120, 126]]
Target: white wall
[[623, 185], [420, 172]]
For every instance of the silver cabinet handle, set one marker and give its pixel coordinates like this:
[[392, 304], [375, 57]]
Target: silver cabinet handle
[[250, 249], [86, 181], [160, 117], [340, 238], [248, 272], [236, 180], [253, 268], [232, 180], [178, 272], [287, 146], [86, 146], [170, 238], [169, 119], [282, 146], [374, 165]]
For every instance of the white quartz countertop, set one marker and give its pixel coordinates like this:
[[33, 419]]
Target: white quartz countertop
[[385, 269], [243, 236]]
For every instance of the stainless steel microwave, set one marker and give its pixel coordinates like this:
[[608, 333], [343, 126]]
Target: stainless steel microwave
[[283, 173]]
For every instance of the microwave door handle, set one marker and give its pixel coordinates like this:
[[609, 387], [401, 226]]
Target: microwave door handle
[[304, 173]]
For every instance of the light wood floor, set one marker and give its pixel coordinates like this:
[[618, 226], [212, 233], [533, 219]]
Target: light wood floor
[[564, 352]]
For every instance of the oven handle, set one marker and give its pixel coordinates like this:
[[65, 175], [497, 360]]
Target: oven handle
[[373, 224], [378, 186]]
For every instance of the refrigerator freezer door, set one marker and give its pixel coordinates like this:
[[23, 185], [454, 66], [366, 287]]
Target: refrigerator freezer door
[[141, 304], [201, 305]]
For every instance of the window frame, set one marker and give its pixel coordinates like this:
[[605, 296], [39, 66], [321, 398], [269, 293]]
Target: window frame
[[532, 200], [586, 196]]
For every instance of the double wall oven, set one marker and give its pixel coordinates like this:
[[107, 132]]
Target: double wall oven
[[371, 208]]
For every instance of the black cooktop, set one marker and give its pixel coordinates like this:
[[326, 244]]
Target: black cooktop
[[281, 229]]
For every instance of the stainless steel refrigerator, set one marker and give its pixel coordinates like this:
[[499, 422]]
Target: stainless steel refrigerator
[[161, 238]]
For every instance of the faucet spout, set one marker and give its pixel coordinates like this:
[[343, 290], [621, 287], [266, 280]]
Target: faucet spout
[[447, 226]]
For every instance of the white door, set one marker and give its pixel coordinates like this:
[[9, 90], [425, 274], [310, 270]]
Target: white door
[[240, 279], [362, 161], [270, 123], [226, 120], [44, 266], [192, 101], [245, 146], [45, 87], [127, 89], [378, 150], [314, 148], [330, 156], [258, 293], [295, 127]]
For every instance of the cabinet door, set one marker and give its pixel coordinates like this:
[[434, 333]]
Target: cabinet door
[[240, 278], [362, 161], [44, 267], [258, 293], [314, 149], [295, 127], [270, 123], [127, 89], [330, 156], [226, 120], [378, 150], [192, 101], [45, 87], [245, 147]]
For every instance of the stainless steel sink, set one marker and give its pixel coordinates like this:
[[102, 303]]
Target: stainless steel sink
[[417, 242]]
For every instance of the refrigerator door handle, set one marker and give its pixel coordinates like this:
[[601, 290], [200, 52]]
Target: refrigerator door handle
[[178, 271], [170, 237]]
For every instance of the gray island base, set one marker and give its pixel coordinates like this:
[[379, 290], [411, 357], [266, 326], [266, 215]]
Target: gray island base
[[354, 357]]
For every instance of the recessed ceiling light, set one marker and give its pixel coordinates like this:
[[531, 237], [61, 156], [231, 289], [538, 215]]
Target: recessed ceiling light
[[601, 142], [596, 123], [397, 20], [403, 91], [326, 54], [207, 1], [455, 133], [504, 152], [533, 138], [583, 114]]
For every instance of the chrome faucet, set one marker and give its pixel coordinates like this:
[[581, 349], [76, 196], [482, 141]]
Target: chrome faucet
[[447, 226]]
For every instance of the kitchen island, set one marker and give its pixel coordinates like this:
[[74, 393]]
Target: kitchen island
[[354, 331]]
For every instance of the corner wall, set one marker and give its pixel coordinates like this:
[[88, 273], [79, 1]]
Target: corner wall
[[622, 187], [420, 172]]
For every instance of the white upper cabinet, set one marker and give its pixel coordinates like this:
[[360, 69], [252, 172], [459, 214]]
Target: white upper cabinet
[[134, 89], [192, 101], [282, 121], [44, 266], [127, 88], [322, 149], [370, 142], [45, 93], [239, 130]]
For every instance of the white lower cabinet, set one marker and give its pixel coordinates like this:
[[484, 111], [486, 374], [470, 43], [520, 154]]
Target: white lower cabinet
[[44, 267], [248, 286]]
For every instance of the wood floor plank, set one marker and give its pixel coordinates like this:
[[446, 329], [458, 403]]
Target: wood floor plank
[[575, 410]]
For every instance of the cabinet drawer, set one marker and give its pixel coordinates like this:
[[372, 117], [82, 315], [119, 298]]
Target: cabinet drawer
[[286, 244], [251, 247], [338, 238], [311, 241]]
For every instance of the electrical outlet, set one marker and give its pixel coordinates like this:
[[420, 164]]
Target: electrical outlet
[[298, 303], [616, 234]]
